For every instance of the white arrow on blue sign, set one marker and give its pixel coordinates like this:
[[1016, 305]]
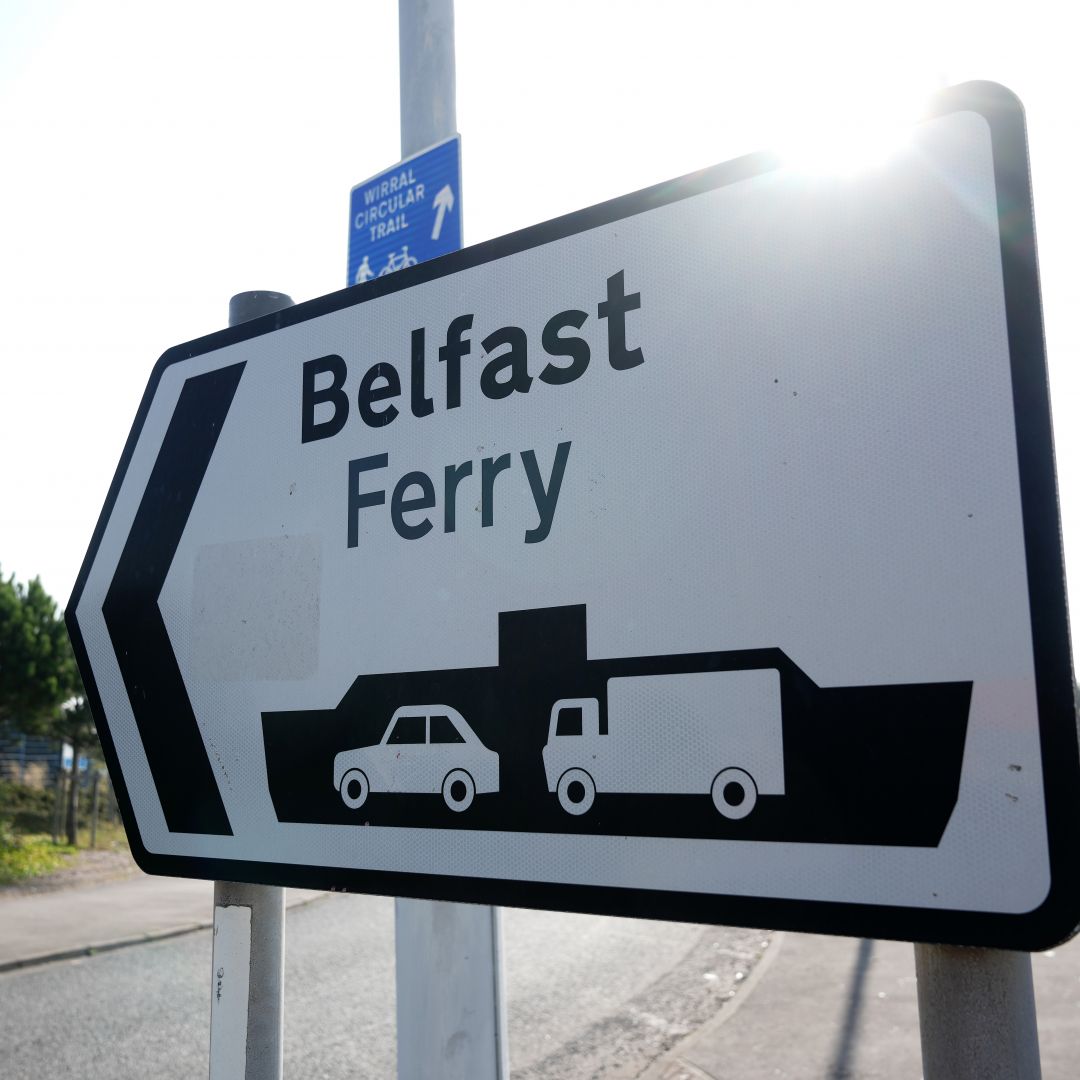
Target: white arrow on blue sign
[[407, 214]]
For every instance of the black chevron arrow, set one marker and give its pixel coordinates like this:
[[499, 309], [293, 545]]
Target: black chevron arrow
[[170, 734]]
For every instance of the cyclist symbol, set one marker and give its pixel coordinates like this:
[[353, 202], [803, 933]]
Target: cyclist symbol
[[397, 261]]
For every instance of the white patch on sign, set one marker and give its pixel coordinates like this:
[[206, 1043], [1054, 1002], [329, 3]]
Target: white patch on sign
[[255, 610], [229, 992]]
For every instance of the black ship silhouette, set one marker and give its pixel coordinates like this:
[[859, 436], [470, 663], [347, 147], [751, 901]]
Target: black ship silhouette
[[856, 764]]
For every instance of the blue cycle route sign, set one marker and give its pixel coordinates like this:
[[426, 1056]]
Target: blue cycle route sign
[[406, 214]]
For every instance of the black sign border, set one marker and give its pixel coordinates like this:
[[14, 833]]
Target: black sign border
[[1058, 917]]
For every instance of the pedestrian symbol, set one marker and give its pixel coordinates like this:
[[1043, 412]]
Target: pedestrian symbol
[[363, 273]]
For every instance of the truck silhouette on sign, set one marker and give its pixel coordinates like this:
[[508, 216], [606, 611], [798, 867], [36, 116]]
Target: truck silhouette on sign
[[425, 750], [735, 744], [713, 732]]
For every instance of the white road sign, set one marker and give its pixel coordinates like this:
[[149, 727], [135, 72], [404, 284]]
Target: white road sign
[[695, 555]]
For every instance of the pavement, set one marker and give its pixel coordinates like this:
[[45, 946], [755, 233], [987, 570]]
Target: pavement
[[813, 1006], [837, 1008], [37, 928]]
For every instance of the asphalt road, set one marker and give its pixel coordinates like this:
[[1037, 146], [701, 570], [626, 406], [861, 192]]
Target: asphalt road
[[586, 995]]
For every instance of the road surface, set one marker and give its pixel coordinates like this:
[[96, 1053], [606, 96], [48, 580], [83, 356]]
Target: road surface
[[584, 994]]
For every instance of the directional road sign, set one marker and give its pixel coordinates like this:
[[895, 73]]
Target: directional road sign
[[695, 555], [407, 214]]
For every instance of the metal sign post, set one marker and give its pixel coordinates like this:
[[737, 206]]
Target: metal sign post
[[247, 986], [451, 1012], [976, 1014]]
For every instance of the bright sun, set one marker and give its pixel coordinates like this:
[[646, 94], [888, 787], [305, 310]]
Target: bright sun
[[837, 130]]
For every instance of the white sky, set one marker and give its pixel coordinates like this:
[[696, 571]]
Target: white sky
[[155, 159]]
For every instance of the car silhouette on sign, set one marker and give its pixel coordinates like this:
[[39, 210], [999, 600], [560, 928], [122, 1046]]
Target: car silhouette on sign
[[425, 750]]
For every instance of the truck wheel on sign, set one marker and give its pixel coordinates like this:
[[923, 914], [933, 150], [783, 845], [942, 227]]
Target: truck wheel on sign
[[458, 790], [576, 791], [354, 789], [734, 793]]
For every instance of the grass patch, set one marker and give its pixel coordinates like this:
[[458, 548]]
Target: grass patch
[[110, 836], [26, 847], [29, 856]]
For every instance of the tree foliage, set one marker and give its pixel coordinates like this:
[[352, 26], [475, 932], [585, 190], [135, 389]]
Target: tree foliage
[[37, 667], [75, 724], [41, 691]]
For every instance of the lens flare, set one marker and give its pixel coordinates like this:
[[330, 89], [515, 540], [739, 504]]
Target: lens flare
[[840, 134]]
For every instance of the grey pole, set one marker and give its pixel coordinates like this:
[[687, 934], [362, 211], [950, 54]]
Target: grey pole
[[451, 1013], [976, 1014], [451, 1018], [247, 993], [428, 86]]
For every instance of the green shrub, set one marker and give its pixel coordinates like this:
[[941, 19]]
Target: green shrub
[[15, 796], [31, 856], [29, 809]]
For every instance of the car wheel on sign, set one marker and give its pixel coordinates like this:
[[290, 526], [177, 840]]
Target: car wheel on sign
[[734, 793], [354, 789], [458, 790], [576, 791]]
